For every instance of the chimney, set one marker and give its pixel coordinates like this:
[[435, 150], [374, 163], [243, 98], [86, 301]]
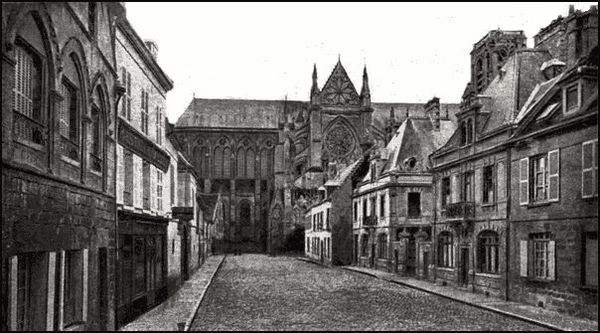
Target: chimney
[[432, 109], [593, 9], [152, 47], [571, 9]]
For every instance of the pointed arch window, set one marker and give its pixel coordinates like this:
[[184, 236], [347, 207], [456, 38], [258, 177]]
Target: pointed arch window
[[227, 162], [250, 162], [264, 163], [71, 108], [241, 163], [218, 162], [96, 130]]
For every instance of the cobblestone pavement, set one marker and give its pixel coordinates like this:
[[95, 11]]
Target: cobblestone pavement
[[257, 292]]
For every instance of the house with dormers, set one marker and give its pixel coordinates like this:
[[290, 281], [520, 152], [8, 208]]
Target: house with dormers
[[392, 205], [553, 155]]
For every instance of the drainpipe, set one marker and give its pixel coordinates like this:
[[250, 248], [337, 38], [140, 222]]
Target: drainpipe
[[433, 234], [119, 91], [508, 206]]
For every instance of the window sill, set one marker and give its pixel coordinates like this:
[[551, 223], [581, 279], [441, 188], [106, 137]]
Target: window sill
[[30, 144], [447, 269], [70, 161], [97, 173], [538, 204], [537, 280], [489, 275], [488, 205]]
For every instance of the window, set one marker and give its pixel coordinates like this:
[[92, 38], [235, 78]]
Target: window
[[126, 106], [30, 279], [590, 262], [382, 205], [467, 188], [364, 208], [146, 184], [159, 190], [241, 163], [73, 289], [68, 116], [227, 163], [96, 129], [27, 94], [218, 160], [308, 244], [373, 172], [373, 206], [488, 184], [543, 256], [414, 204], [382, 241], [466, 132], [327, 220], [250, 161], [488, 252], [445, 192], [172, 184], [264, 163], [589, 169], [144, 106], [356, 211], [545, 182], [571, 98], [24, 312], [445, 250], [364, 243], [128, 175], [159, 125]]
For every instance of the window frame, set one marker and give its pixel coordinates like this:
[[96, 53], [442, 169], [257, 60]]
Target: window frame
[[565, 95], [22, 43], [408, 205], [446, 190], [593, 169], [488, 246], [489, 184], [445, 250]]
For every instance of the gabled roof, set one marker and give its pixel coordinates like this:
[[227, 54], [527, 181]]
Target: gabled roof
[[344, 174], [234, 113], [510, 89], [339, 81]]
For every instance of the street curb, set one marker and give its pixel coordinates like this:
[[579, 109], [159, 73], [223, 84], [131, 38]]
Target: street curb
[[484, 307], [188, 322]]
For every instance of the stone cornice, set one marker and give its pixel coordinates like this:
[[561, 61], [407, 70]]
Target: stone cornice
[[142, 51]]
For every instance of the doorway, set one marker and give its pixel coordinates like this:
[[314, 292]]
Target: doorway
[[372, 255], [102, 287], [426, 265], [395, 261], [184, 254], [464, 266]]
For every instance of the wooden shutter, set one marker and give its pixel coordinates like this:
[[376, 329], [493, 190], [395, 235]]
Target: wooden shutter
[[14, 271], [551, 260], [51, 291], [478, 186], [554, 175], [524, 181], [84, 280], [524, 253], [588, 183]]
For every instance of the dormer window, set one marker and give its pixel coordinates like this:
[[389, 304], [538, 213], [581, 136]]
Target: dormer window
[[466, 132], [373, 171], [412, 162], [571, 98]]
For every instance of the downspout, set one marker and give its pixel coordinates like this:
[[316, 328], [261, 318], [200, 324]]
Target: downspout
[[508, 217], [119, 91], [433, 234]]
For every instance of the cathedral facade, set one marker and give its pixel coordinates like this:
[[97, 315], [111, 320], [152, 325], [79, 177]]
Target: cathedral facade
[[270, 159]]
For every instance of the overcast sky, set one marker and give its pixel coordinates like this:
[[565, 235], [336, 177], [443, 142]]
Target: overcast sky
[[413, 51]]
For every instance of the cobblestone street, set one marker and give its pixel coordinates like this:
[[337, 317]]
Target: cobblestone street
[[257, 292]]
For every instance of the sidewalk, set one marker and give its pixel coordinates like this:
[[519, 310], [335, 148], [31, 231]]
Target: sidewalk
[[180, 307], [532, 314]]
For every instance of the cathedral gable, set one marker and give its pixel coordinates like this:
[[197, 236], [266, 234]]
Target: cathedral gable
[[339, 90]]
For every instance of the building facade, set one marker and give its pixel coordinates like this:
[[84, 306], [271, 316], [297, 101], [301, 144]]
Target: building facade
[[59, 88], [146, 176], [554, 179], [393, 203]]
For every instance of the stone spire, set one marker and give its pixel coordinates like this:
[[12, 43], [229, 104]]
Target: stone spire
[[365, 93], [314, 91]]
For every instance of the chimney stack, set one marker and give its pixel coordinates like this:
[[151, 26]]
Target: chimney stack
[[432, 109], [152, 47], [571, 9]]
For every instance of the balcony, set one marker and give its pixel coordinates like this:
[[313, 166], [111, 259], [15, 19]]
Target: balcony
[[460, 211], [370, 220]]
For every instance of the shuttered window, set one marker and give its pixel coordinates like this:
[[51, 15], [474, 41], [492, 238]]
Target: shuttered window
[[554, 175], [524, 181], [159, 190], [146, 185], [28, 83], [589, 169]]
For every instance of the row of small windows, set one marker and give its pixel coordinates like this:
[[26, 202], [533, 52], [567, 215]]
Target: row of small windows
[[487, 251], [413, 206], [318, 246], [146, 189], [381, 246], [247, 162], [320, 221]]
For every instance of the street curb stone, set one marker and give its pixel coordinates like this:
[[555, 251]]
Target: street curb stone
[[509, 314], [190, 319]]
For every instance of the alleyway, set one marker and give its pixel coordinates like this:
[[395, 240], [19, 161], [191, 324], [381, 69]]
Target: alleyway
[[257, 292]]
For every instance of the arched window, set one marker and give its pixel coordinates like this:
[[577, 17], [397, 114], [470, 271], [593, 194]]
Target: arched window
[[250, 160], [218, 160], [28, 90], [382, 241], [72, 104], [470, 130], [463, 133], [241, 164], [96, 130], [445, 250], [227, 162], [487, 252], [364, 244]]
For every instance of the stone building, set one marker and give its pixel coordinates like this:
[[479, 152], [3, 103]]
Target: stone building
[[471, 179], [213, 209], [328, 233], [59, 89], [393, 203], [554, 161], [146, 177]]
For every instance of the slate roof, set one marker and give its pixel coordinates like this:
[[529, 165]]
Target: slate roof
[[234, 113], [511, 90], [416, 138], [381, 112], [344, 174]]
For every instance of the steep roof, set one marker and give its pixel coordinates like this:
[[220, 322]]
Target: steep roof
[[510, 90], [234, 113], [417, 138], [344, 174], [339, 81]]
